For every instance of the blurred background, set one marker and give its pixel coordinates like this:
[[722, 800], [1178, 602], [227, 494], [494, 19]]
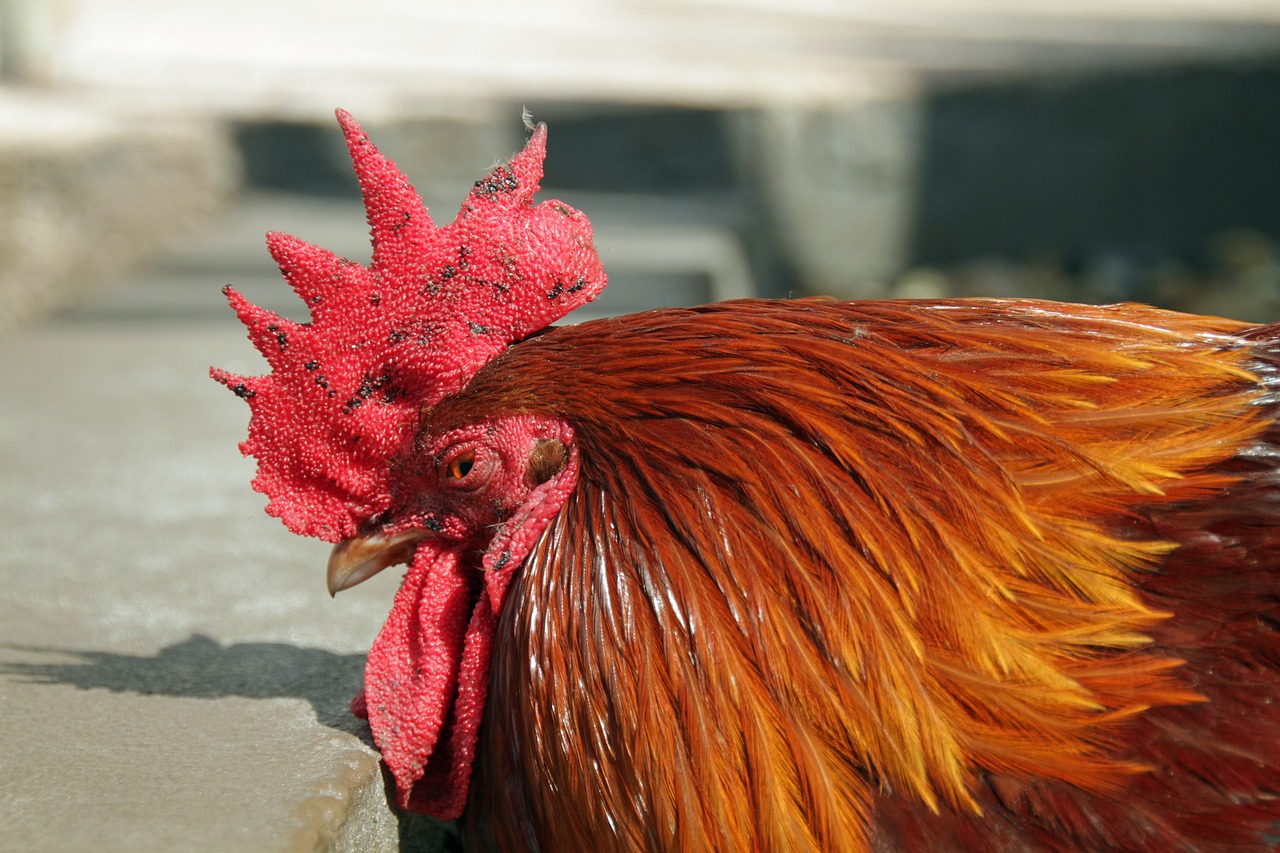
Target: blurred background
[[1087, 151]]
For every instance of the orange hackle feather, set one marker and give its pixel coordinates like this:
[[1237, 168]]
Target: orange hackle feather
[[923, 575]]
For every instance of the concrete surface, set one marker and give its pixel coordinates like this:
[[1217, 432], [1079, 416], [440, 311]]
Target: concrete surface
[[174, 675]]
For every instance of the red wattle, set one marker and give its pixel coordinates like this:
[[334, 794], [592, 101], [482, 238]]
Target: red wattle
[[426, 682]]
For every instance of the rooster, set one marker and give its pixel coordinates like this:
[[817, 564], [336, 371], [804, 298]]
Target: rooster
[[959, 575]]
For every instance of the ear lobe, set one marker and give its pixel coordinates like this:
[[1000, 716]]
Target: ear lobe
[[517, 536], [547, 459]]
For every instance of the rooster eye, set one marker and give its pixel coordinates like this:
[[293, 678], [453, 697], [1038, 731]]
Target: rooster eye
[[460, 466]]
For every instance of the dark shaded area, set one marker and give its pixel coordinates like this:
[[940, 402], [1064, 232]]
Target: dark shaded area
[[201, 668], [1150, 164], [641, 151], [641, 165], [647, 165], [295, 157]]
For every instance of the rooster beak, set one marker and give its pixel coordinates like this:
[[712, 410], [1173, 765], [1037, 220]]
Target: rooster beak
[[361, 557]]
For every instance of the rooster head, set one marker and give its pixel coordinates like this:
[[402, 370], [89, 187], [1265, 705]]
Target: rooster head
[[337, 427]]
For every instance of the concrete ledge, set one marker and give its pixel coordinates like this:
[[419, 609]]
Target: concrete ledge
[[173, 674]]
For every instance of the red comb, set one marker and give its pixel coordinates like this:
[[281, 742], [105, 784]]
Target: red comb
[[414, 326]]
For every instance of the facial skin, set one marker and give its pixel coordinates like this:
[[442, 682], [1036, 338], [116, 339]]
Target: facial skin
[[478, 485]]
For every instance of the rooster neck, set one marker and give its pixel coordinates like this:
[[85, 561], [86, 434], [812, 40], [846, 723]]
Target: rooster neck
[[634, 739]]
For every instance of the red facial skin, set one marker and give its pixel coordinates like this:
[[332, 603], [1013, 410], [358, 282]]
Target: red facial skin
[[483, 493]]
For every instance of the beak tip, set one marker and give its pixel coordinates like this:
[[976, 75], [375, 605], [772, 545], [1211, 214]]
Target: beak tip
[[339, 574], [344, 574]]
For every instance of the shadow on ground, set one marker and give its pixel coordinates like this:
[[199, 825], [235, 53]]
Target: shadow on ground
[[201, 668]]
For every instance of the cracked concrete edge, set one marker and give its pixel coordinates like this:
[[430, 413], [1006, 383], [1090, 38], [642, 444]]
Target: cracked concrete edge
[[348, 811]]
